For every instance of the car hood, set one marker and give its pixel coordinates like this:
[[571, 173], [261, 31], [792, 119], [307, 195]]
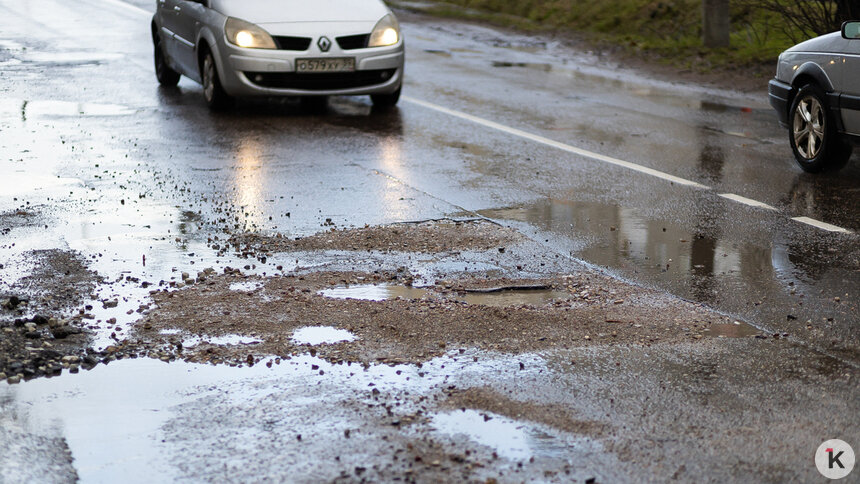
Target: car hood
[[826, 43], [263, 12]]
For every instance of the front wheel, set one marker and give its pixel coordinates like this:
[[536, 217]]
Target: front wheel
[[814, 139], [386, 101], [165, 75], [216, 97]]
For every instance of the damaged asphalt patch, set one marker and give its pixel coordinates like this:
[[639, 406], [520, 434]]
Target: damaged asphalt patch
[[235, 318], [419, 237], [598, 311]]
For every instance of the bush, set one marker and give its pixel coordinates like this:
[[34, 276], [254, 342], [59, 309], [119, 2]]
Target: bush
[[809, 18]]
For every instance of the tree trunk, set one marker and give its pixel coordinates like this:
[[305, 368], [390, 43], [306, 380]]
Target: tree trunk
[[715, 23]]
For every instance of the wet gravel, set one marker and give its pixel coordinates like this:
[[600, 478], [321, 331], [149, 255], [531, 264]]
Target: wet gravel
[[430, 236], [43, 319], [237, 318]]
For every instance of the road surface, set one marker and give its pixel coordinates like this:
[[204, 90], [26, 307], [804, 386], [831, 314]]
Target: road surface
[[670, 207]]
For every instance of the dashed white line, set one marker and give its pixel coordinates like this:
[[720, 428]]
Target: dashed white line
[[822, 225], [614, 161], [747, 201], [556, 144]]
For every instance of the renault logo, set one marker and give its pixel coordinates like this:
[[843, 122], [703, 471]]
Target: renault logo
[[324, 44]]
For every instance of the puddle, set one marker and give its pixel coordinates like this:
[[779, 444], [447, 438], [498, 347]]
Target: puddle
[[142, 420], [249, 286], [228, 340], [71, 57], [736, 330], [514, 297], [319, 335], [503, 298], [370, 292], [19, 182], [45, 109], [510, 439]]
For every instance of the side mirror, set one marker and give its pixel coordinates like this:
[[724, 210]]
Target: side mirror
[[851, 30]]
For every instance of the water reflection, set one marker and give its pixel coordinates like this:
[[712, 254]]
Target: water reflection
[[712, 159], [249, 180], [619, 237]]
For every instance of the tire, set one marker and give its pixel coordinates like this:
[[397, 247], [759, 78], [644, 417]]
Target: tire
[[216, 98], [386, 101], [816, 143], [165, 75]]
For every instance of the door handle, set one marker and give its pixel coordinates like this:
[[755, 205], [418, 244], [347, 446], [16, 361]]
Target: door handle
[[177, 8]]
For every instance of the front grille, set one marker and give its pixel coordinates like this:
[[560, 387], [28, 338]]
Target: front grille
[[292, 43], [320, 81], [351, 42]]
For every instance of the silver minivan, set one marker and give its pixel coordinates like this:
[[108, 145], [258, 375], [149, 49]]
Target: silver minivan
[[280, 48]]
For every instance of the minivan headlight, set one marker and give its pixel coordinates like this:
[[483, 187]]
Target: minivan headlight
[[247, 35], [386, 32]]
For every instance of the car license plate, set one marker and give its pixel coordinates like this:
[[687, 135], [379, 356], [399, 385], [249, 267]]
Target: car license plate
[[334, 64]]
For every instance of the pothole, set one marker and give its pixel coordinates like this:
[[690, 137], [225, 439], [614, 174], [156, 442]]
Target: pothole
[[506, 297]]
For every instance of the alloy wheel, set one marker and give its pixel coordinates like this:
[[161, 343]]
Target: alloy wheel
[[808, 128]]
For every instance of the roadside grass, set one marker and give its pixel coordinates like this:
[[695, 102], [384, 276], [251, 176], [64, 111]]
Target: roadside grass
[[666, 31]]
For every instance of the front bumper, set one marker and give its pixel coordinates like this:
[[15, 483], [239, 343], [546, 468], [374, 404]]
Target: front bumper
[[251, 72], [780, 95]]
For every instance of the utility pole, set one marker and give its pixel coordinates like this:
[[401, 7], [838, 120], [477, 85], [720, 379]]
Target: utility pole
[[715, 23]]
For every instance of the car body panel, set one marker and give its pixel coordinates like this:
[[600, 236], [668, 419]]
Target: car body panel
[[851, 88], [167, 17], [188, 21], [830, 43], [262, 12], [315, 29], [194, 26]]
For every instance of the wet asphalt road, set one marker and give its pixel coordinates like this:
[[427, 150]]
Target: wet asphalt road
[[358, 167], [121, 160]]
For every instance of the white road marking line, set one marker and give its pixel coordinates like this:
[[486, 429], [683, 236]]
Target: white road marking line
[[822, 225], [572, 149], [747, 201], [129, 7], [556, 144], [614, 161]]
